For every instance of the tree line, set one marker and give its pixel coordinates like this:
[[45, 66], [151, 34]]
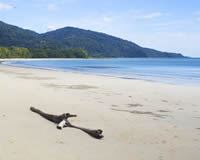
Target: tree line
[[19, 52]]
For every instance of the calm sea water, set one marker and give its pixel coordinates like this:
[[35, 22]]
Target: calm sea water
[[174, 71]]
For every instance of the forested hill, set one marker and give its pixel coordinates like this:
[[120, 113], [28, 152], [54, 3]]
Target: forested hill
[[95, 43], [102, 45], [14, 36]]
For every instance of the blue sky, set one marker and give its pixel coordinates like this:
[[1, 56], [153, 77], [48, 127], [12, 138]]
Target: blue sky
[[166, 25]]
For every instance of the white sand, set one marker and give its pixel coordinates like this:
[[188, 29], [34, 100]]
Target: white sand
[[141, 120]]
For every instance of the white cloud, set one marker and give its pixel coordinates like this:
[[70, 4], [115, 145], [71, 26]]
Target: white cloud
[[52, 7], [51, 28], [150, 16], [107, 19], [5, 6]]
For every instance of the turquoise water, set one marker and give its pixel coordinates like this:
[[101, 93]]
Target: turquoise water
[[175, 71]]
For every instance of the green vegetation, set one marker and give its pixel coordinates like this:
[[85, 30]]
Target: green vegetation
[[57, 43], [14, 36], [16, 52], [102, 45], [58, 53]]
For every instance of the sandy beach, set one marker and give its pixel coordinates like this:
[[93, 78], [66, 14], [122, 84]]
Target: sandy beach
[[140, 120]]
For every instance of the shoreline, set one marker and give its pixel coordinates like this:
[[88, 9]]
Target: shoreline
[[162, 81], [139, 119]]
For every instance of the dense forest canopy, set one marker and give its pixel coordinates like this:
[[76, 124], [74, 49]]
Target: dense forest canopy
[[14, 52], [59, 42], [17, 52]]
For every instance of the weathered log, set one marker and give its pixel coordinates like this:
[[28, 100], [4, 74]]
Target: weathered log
[[62, 121], [96, 133], [53, 118]]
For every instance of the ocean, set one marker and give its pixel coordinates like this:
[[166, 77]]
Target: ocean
[[182, 71]]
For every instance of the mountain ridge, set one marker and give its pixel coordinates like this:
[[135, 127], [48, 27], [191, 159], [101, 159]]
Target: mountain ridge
[[97, 44]]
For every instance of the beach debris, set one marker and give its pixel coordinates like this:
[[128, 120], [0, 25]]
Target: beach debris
[[62, 122]]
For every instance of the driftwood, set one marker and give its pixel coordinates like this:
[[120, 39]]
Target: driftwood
[[62, 121]]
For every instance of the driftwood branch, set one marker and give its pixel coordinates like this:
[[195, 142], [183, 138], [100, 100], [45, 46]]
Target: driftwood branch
[[62, 121]]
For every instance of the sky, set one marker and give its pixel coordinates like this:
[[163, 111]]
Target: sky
[[166, 25]]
